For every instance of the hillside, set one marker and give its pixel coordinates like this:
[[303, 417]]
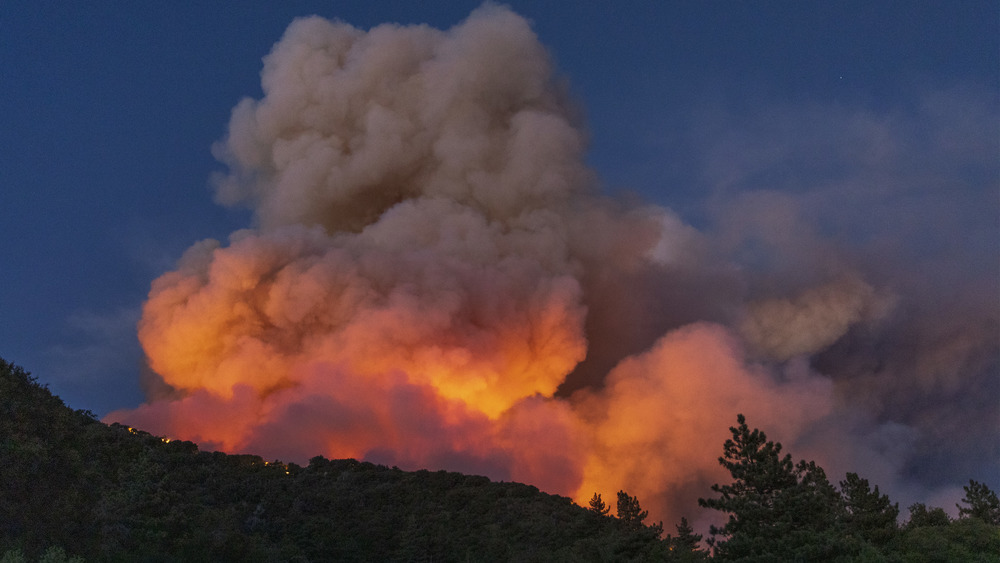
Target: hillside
[[71, 486], [120, 494]]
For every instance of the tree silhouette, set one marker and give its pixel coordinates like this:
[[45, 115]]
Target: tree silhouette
[[629, 510], [597, 505], [685, 547], [777, 510], [686, 538], [632, 514], [868, 514], [982, 503], [922, 516]]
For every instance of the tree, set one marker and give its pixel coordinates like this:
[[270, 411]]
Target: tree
[[777, 510], [685, 547], [597, 505], [629, 510], [686, 539], [632, 514], [867, 514], [982, 503], [965, 539], [921, 516]]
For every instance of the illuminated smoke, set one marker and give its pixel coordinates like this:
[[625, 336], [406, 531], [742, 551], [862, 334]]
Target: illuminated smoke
[[433, 281], [410, 294], [656, 423]]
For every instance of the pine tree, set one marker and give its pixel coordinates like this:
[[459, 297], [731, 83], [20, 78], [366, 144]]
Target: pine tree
[[597, 505], [629, 510], [982, 503], [686, 539], [922, 516], [777, 510], [868, 514], [685, 547], [632, 514]]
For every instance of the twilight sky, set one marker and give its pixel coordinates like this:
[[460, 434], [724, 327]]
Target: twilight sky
[[818, 157]]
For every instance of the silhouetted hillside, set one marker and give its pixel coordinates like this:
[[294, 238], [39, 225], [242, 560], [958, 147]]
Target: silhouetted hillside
[[113, 493], [116, 493]]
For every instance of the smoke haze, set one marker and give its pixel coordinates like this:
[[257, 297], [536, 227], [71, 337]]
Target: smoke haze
[[433, 279]]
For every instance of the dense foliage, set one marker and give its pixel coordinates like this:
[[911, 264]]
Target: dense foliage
[[75, 489], [112, 493], [783, 511]]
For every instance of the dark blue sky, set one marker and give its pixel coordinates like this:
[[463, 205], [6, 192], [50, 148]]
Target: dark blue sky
[[108, 111]]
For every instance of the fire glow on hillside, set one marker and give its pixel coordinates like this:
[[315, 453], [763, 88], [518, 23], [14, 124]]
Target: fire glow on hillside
[[434, 281]]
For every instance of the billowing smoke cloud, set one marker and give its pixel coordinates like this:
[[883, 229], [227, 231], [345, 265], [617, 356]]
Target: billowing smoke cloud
[[812, 321], [658, 423], [434, 281]]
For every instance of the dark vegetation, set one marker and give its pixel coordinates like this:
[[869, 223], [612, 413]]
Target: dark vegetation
[[73, 488], [780, 511], [113, 493]]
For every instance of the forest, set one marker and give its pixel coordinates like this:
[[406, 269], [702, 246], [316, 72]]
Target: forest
[[74, 489]]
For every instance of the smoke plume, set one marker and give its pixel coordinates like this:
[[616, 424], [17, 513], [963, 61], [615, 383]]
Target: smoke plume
[[433, 280]]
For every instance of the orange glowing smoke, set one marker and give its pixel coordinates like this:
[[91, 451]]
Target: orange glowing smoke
[[417, 288]]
